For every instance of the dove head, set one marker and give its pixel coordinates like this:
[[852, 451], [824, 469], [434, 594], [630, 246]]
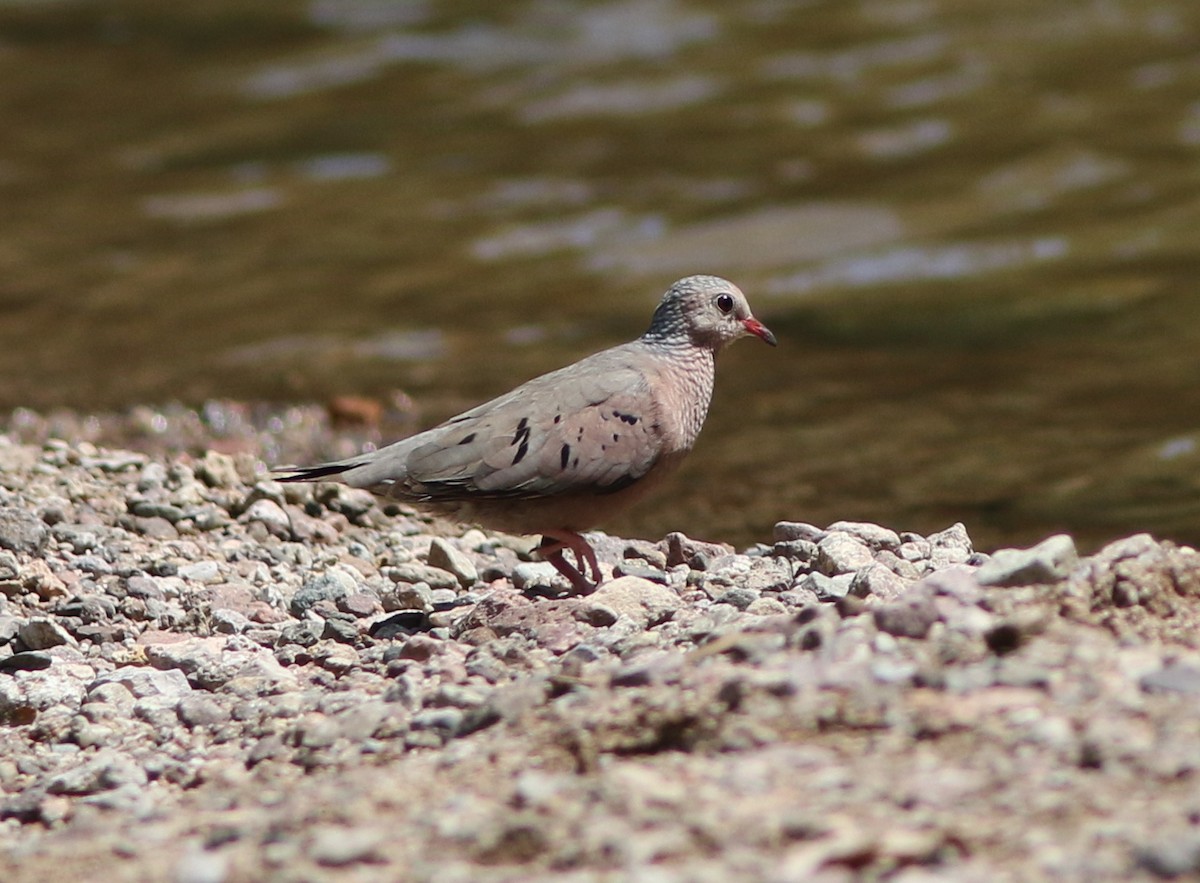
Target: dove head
[[705, 311]]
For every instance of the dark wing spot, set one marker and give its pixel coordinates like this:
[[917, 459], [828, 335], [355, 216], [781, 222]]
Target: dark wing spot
[[564, 455], [468, 439], [628, 418], [522, 430], [557, 418], [616, 437], [522, 451]]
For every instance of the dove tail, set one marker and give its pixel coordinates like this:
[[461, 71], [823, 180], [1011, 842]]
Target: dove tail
[[311, 473]]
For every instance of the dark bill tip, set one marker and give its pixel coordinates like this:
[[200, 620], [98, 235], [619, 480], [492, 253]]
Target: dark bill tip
[[759, 330]]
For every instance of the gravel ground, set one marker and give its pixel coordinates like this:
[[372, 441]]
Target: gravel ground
[[208, 676]]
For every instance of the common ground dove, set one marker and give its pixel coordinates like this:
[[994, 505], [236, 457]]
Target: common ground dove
[[566, 450]]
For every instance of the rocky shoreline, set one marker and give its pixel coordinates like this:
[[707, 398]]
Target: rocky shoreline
[[209, 676]]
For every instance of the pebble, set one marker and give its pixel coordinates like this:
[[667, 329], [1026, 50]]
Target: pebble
[[42, 634], [332, 585], [1049, 561], [337, 847], [841, 552], [21, 530], [413, 572], [144, 682], [271, 515], [643, 601], [446, 557], [201, 572]]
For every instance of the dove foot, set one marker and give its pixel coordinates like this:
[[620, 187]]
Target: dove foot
[[551, 549]]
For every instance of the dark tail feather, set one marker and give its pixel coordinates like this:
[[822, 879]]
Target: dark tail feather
[[310, 473]]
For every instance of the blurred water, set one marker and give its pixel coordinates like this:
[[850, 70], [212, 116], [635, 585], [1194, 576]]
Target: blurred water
[[973, 226]]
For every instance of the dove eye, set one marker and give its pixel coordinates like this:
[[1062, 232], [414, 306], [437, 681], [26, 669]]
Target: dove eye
[[725, 302]]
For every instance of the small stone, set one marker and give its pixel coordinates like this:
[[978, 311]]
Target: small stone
[[229, 622], [332, 585], [766, 606], [412, 572], [106, 771], [788, 531], [1048, 562], [201, 572], [271, 515], [301, 634], [26, 662], [1176, 678], [448, 558], [420, 647], [697, 554], [645, 602], [408, 596], [359, 604], [875, 536], [218, 470], [202, 866], [827, 588], [42, 634], [200, 711], [738, 597], [842, 553], [950, 546], [877, 580], [910, 617], [20, 530], [1171, 858], [802, 551], [146, 682], [336, 847], [535, 574]]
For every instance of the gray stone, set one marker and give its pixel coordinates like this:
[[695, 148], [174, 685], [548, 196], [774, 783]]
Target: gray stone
[[27, 692], [827, 588], [738, 597], [530, 574], [949, 546], [802, 551], [42, 634], [229, 622], [201, 572], [1171, 857], [146, 682], [448, 558], [416, 572], [169, 512], [10, 569], [643, 601], [877, 580], [842, 553], [910, 617], [218, 470], [1176, 678], [787, 531], [336, 847], [198, 710], [271, 515], [106, 771], [1048, 562], [875, 536], [331, 585], [202, 866], [21, 530]]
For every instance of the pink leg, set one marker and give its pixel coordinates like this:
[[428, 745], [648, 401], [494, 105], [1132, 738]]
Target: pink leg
[[551, 549]]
